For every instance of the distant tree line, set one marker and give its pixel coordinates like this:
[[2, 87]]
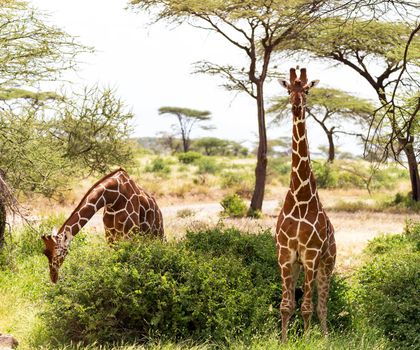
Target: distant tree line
[[209, 146]]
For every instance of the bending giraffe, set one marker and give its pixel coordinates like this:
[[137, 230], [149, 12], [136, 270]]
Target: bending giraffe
[[128, 210], [304, 234]]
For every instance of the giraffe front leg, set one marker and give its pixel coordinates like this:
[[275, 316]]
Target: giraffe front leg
[[310, 270], [289, 273]]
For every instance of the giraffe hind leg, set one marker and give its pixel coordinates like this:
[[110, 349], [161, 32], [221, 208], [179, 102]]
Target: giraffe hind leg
[[323, 279]]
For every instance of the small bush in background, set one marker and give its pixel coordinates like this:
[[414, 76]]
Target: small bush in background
[[188, 157], [233, 206], [325, 175], [404, 201], [158, 165], [278, 169], [185, 213], [241, 183], [207, 165]]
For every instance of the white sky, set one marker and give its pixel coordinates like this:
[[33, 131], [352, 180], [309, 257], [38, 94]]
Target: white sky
[[150, 67]]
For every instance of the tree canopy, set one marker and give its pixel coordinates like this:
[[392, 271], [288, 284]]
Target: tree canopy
[[42, 146], [31, 50], [334, 110]]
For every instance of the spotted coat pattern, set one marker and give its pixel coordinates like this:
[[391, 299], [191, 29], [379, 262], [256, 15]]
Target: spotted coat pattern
[[304, 234], [128, 210]]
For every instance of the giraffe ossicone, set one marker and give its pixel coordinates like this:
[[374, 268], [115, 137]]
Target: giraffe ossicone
[[304, 234], [128, 210]]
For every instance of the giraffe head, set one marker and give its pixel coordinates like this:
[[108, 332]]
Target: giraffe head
[[298, 88], [56, 250]]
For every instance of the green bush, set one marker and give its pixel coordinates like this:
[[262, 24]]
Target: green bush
[[233, 206], [258, 254], [217, 285], [158, 165], [188, 157], [325, 176], [279, 169], [404, 201], [150, 289], [240, 182], [389, 283], [207, 165]]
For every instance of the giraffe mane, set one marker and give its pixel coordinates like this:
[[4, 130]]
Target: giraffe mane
[[88, 192]]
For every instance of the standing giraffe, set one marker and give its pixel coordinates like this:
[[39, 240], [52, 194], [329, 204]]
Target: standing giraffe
[[304, 234], [128, 209]]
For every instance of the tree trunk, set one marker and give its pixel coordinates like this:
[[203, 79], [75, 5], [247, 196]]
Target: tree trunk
[[413, 169], [331, 147], [2, 222], [261, 168], [185, 144]]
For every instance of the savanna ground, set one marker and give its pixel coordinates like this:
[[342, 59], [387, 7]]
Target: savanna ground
[[189, 196]]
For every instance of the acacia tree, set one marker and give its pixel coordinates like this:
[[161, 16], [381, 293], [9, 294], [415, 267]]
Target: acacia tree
[[331, 109], [41, 146], [385, 54], [255, 27], [32, 51], [187, 119]]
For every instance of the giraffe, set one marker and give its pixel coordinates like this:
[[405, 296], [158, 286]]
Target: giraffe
[[304, 234], [128, 210]]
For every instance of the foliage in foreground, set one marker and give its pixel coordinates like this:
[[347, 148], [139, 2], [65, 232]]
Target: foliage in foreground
[[217, 285], [389, 283]]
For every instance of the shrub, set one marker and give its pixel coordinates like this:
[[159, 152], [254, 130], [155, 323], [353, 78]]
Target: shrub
[[239, 182], [206, 165], [188, 157], [153, 289], [233, 206], [324, 175], [404, 201], [185, 213], [278, 169], [158, 165], [215, 285], [258, 254], [388, 286]]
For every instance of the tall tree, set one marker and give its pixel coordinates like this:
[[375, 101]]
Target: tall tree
[[386, 55], [334, 110], [255, 27], [187, 119]]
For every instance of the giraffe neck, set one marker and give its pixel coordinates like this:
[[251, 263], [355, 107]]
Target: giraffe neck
[[103, 193], [302, 180]]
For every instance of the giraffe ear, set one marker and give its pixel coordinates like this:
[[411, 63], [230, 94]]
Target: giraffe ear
[[54, 231], [313, 83], [284, 83]]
